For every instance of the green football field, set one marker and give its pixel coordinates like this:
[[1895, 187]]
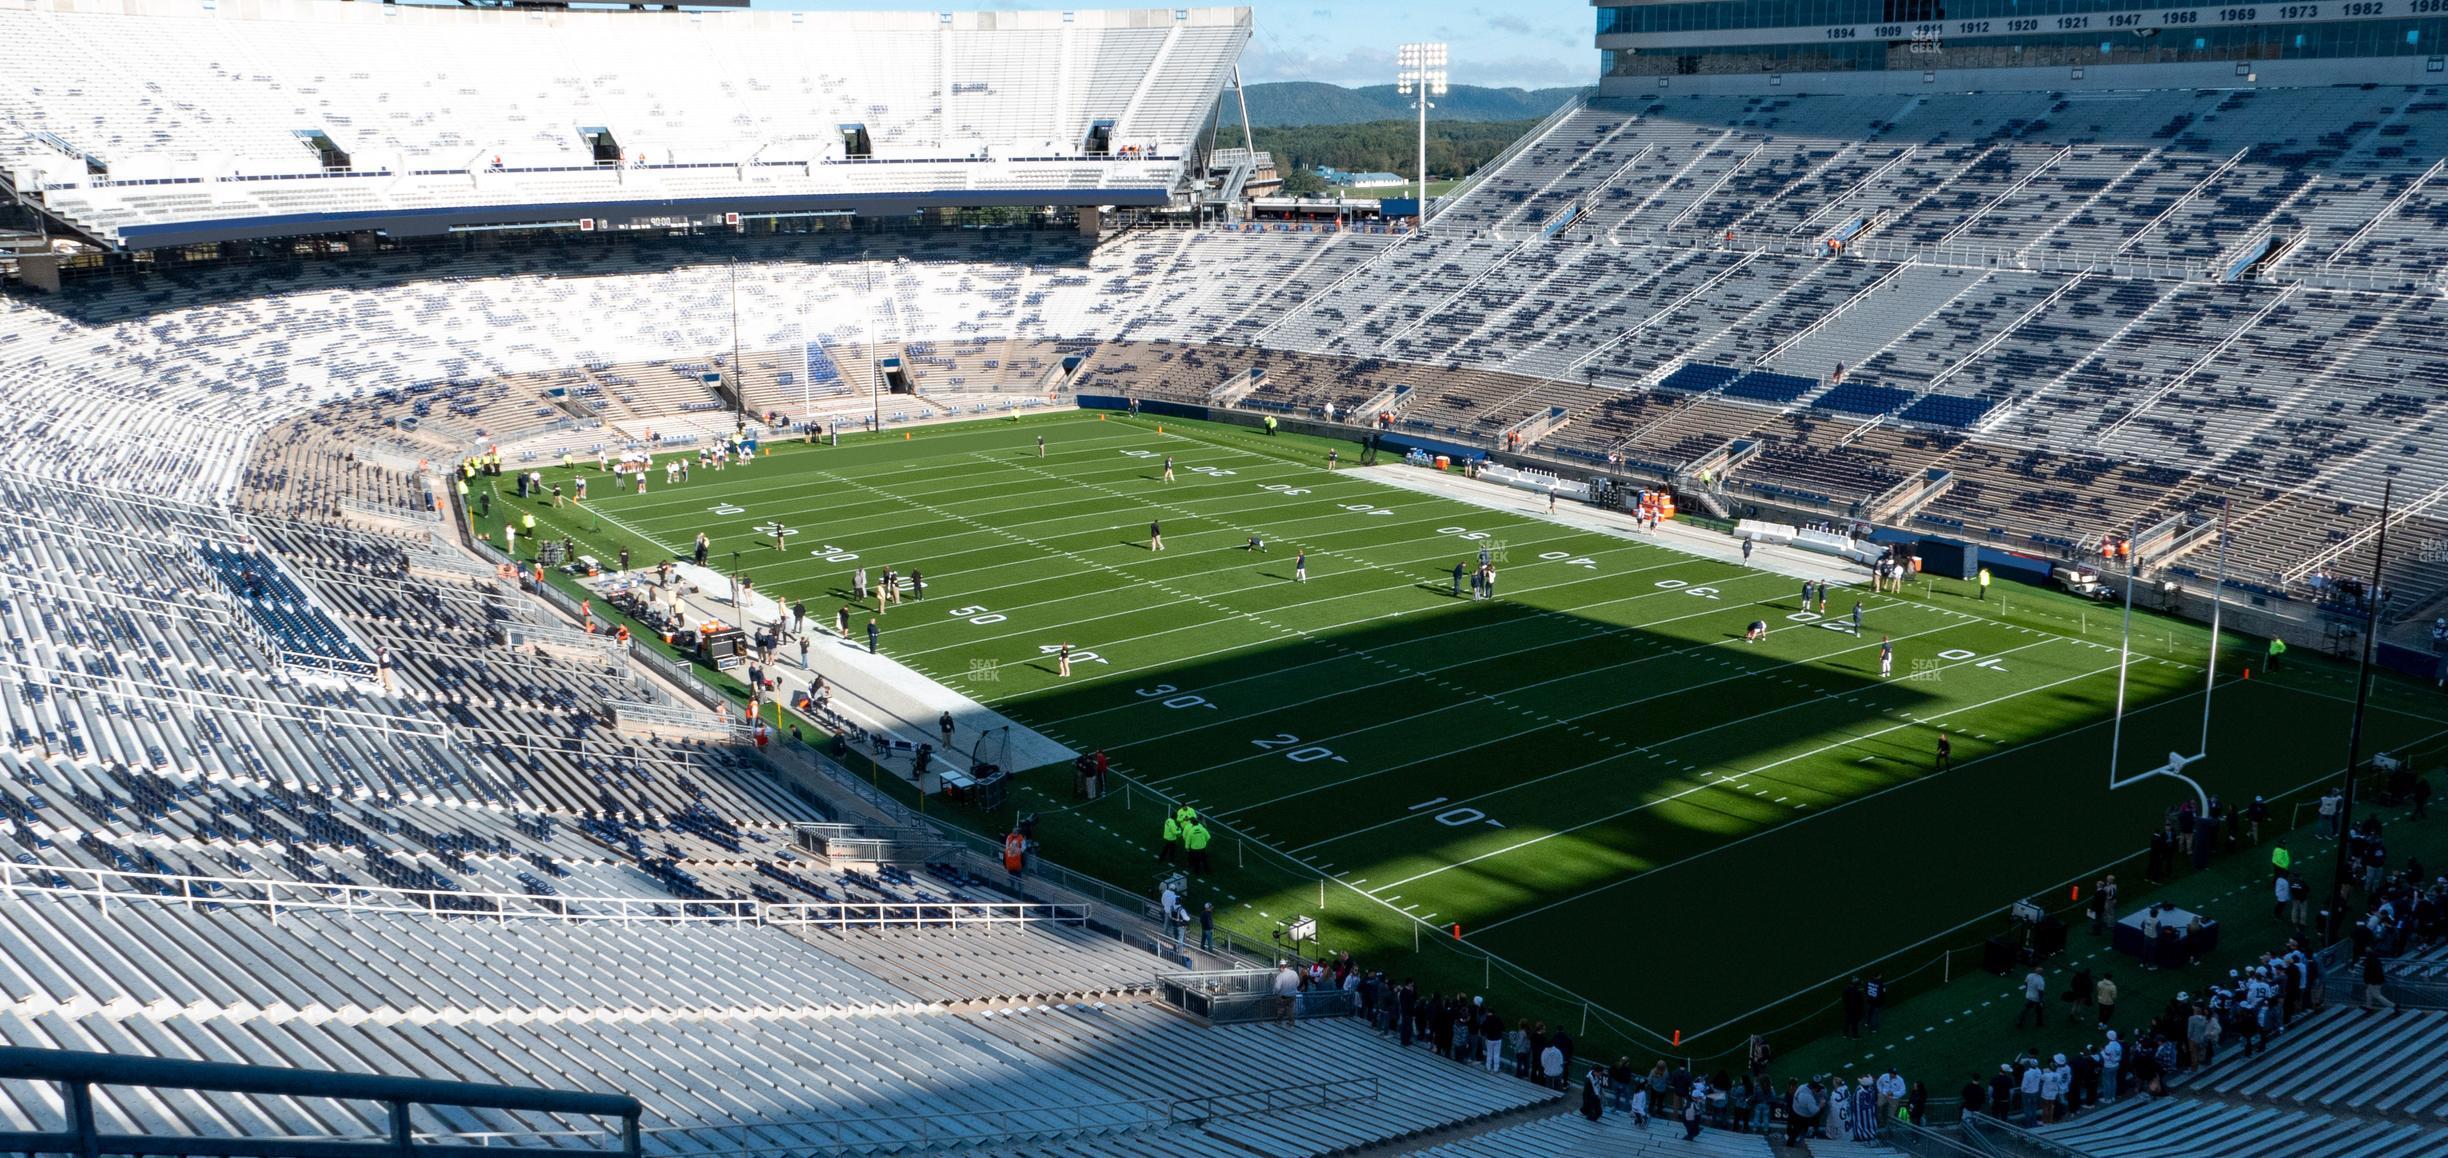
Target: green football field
[[1619, 801]]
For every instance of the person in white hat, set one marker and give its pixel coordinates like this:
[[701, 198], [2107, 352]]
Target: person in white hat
[[1287, 991], [2112, 1068]]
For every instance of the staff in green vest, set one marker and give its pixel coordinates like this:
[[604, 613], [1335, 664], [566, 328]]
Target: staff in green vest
[[1194, 838], [1984, 582], [2277, 648], [1172, 839]]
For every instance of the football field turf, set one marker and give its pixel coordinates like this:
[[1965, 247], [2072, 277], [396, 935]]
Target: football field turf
[[1592, 774]]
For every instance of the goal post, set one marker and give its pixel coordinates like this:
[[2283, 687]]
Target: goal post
[[2177, 762]]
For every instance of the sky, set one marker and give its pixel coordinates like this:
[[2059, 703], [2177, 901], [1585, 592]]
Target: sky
[[1540, 44]]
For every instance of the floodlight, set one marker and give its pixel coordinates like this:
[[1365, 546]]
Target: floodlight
[[1420, 74]]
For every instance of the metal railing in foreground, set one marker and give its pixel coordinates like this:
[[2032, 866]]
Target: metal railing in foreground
[[1925, 1142], [882, 1133], [929, 914], [1233, 995], [865, 1134], [876, 844], [77, 1073], [1994, 1136], [106, 887], [1275, 1100], [2345, 990]]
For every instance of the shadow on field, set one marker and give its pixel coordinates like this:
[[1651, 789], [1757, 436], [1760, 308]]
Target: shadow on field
[[1771, 814], [1522, 721]]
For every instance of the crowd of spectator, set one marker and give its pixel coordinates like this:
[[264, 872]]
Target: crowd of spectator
[[2118, 1056], [2345, 593], [1464, 1028], [2121, 1055], [2118, 1052]]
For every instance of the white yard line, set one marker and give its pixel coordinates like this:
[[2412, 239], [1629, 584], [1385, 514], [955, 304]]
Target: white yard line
[[1545, 722], [1654, 802], [1841, 974], [1647, 750]]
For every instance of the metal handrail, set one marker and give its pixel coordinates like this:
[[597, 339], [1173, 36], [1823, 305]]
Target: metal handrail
[[888, 914], [77, 1072], [1274, 1100], [2000, 1135], [1914, 1138], [867, 1133], [310, 896]]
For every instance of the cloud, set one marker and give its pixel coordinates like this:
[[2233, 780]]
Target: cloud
[[1561, 70], [1508, 22], [1268, 58]]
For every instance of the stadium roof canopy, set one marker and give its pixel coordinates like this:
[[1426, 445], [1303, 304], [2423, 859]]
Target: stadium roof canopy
[[298, 117]]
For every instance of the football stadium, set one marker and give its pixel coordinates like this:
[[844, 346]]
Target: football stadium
[[723, 581]]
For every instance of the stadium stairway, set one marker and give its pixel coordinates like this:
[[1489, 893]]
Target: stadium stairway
[[2186, 1127], [1125, 1045], [993, 962], [2355, 1063], [1564, 1133]]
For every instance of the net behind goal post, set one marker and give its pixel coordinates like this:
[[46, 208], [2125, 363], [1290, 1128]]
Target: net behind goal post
[[993, 747]]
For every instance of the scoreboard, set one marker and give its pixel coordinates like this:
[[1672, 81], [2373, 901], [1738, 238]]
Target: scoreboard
[[1732, 37], [2122, 20]]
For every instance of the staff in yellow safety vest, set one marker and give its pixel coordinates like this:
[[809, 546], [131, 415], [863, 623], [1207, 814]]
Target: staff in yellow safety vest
[[1194, 838], [1172, 839], [1984, 582]]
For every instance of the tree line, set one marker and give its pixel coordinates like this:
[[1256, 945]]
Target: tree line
[[1455, 148]]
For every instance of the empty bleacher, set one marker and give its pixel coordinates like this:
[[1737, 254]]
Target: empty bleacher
[[664, 107], [1413, 1091]]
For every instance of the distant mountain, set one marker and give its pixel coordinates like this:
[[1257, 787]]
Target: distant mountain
[[1289, 103]]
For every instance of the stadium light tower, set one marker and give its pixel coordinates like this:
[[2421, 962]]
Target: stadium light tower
[[1420, 74]]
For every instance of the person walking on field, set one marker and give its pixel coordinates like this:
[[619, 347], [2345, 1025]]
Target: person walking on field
[[2035, 999], [1041, 446], [1300, 566], [1168, 475], [1155, 535], [1946, 753], [1062, 662]]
